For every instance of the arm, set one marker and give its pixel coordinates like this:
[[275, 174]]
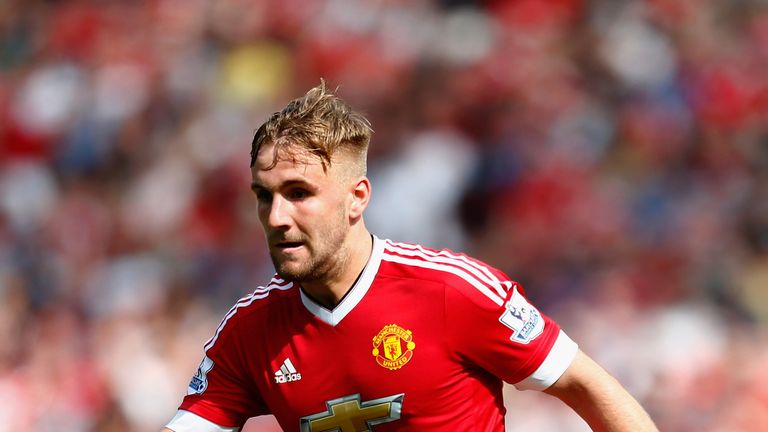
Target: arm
[[599, 399], [185, 421]]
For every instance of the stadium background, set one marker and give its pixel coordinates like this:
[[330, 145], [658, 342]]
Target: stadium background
[[610, 155]]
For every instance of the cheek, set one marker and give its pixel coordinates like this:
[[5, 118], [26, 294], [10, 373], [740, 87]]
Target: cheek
[[263, 215], [338, 218], [324, 217]]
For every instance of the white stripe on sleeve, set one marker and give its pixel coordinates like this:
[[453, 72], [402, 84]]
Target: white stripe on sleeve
[[185, 421], [559, 358]]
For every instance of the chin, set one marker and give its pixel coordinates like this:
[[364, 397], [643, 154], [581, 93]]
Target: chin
[[291, 273]]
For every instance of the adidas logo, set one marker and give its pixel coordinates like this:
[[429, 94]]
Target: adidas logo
[[287, 373]]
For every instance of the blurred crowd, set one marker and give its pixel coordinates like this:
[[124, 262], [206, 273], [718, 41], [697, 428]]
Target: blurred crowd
[[610, 155]]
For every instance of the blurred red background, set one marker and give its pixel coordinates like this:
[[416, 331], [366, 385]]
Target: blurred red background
[[610, 156]]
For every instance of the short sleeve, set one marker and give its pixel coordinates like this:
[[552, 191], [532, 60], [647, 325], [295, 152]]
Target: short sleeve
[[221, 391], [510, 338], [185, 421]]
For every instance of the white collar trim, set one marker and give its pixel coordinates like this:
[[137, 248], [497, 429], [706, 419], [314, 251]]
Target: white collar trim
[[355, 294]]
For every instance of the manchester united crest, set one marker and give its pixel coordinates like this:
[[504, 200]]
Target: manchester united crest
[[393, 347]]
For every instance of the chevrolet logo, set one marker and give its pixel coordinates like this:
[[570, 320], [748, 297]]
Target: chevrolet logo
[[348, 414]]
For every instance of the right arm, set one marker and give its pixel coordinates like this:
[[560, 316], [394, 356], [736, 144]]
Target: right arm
[[218, 397], [599, 399], [186, 421]]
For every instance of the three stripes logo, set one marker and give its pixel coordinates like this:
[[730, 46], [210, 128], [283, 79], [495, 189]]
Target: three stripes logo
[[287, 373]]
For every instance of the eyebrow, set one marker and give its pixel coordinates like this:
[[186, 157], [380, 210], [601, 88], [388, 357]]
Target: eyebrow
[[291, 182], [255, 185]]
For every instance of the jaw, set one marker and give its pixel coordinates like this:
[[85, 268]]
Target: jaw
[[307, 267]]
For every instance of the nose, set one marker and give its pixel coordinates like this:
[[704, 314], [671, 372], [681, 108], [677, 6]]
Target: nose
[[278, 215]]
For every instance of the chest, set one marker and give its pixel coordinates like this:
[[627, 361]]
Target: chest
[[387, 360]]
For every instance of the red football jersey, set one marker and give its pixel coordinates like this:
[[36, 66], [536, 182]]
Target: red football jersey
[[422, 342]]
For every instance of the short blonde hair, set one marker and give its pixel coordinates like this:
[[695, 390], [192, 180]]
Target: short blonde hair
[[319, 123]]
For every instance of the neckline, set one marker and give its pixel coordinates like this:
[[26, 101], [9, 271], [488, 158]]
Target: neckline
[[355, 294]]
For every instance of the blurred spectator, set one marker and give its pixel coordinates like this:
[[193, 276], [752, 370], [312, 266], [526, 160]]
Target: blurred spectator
[[611, 156]]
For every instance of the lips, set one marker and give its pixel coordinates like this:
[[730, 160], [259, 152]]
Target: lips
[[284, 242], [286, 245], [289, 245]]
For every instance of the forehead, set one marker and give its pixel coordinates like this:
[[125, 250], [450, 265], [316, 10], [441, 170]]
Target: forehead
[[287, 163]]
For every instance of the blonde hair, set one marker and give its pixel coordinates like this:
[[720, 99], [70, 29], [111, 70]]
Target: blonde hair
[[319, 123]]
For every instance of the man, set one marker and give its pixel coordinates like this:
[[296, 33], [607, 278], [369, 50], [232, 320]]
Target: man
[[356, 333]]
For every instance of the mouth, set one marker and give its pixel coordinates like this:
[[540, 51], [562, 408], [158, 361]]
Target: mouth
[[288, 246]]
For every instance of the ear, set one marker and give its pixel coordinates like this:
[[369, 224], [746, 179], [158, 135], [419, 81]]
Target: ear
[[361, 194]]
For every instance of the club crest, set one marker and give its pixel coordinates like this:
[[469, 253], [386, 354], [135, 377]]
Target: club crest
[[393, 347]]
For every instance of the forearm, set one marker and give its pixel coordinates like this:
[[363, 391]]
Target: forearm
[[600, 400], [611, 410]]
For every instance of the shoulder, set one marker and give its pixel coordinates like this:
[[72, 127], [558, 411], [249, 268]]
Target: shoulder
[[276, 290], [458, 272], [253, 304]]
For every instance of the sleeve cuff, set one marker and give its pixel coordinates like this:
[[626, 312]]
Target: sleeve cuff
[[559, 358], [185, 421]]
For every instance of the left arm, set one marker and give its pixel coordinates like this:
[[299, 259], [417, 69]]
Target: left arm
[[599, 399]]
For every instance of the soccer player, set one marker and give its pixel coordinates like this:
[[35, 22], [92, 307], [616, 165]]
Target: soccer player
[[356, 333]]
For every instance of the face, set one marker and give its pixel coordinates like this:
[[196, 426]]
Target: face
[[304, 212]]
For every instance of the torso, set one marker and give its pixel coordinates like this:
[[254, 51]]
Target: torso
[[389, 348], [401, 351]]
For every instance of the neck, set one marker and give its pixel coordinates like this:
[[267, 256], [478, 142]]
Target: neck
[[329, 292]]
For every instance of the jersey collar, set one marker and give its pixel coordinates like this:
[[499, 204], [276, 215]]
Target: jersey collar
[[355, 294]]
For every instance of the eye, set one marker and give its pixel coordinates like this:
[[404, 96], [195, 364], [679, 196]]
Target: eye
[[298, 194], [263, 196]]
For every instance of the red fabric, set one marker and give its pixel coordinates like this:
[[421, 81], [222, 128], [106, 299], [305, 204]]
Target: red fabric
[[451, 378]]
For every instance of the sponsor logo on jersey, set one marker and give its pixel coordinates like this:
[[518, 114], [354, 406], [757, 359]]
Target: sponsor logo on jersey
[[524, 319], [349, 414], [393, 347], [200, 381], [287, 373]]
